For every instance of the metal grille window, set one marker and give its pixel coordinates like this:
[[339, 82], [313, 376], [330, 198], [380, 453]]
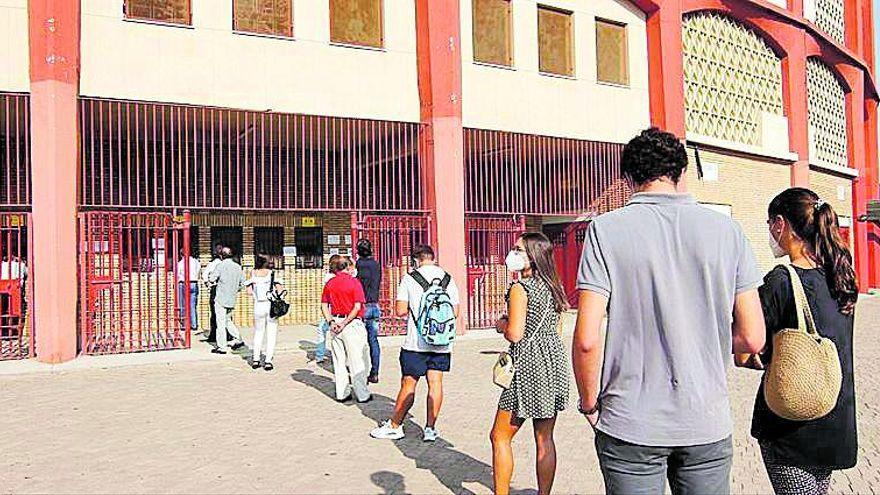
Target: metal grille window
[[270, 242], [309, 246], [356, 22], [612, 62], [15, 169], [731, 78], [231, 237], [170, 11], [826, 102], [152, 155], [273, 17], [555, 46], [492, 32], [509, 173], [830, 18]]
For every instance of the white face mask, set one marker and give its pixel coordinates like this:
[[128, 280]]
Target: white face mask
[[353, 273], [778, 252], [515, 262]]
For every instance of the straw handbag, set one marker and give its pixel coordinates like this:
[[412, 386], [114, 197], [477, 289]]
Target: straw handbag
[[803, 379]]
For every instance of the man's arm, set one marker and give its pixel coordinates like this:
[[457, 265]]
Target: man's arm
[[749, 332], [325, 310], [340, 326], [586, 349]]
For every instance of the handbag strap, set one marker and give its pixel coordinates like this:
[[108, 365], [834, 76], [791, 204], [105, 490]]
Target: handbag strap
[[806, 322]]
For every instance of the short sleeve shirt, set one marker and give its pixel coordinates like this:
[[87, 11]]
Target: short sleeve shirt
[[411, 292], [341, 293], [671, 270]]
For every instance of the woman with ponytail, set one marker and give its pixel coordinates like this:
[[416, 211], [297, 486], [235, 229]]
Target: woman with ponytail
[[800, 456]]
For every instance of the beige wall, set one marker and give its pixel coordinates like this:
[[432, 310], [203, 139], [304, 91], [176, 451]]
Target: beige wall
[[747, 186], [14, 46], [208, 64], [523, 100], [829, 187]]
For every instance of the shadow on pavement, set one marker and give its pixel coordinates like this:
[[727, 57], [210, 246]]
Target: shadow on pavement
[[308, 347], [451, 468]]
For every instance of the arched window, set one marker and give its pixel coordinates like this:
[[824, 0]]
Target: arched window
[[826, 104], [731, 79]]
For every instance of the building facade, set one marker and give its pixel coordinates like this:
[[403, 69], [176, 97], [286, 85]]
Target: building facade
[[134, 130]]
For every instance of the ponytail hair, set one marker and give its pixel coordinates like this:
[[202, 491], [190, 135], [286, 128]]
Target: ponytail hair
[[815, 222], [539, 250]]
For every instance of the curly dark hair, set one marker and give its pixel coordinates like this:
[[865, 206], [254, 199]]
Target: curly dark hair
[[652, 155]]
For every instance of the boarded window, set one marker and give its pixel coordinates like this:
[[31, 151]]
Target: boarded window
[[263, 17], [612, 65], [356, 22], [555, 47], [492, 32], [270, 241], [172, 11]]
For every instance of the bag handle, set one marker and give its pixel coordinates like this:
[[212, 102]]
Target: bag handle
[[806, 322]]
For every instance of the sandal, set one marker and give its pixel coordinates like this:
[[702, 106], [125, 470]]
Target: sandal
[[268, 367], [255, 364]]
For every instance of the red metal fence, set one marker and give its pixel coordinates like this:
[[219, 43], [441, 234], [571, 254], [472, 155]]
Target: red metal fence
[[568, 243], [488, 242], [511, 173], [154, 155], [16, 338], [15, 169], [393, 238], [129, 300]]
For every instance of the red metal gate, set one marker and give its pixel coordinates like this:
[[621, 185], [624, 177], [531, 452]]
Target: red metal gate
[[128, 282], [16, 339], [568, 243], [488, 242], [393, 237]]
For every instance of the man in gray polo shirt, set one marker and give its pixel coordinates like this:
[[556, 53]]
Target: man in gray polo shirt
[[679, 284], [229, 279]]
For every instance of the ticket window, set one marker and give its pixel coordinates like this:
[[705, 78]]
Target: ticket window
[[309, 247], [231, 237], [270, 242]]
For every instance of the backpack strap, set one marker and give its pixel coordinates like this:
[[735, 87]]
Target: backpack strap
[[446, 280], [420, 279]]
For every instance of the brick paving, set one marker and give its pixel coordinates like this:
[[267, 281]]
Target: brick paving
[[215, 426]]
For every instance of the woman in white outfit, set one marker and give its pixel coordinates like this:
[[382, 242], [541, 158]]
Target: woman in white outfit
[[260, 286]]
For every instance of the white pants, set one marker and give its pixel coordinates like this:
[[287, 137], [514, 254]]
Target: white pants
[[224, 323], [351, 351], [264, 325]]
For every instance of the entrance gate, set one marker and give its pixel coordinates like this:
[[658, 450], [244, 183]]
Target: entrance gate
[[568, 243], [488, 242], [16, 339], [129, 296], [393, 237]]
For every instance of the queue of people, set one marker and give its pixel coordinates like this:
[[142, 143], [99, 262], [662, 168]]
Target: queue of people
[[670, 295]]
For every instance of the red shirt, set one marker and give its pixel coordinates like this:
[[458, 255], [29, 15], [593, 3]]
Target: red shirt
[[341, 292]]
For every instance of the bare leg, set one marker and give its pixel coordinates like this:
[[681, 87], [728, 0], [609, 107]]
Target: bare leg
[[435, 396], [405, 399], [545, 461], [503, 431]]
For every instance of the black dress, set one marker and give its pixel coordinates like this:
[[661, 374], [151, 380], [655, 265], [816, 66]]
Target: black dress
[[829, 442]]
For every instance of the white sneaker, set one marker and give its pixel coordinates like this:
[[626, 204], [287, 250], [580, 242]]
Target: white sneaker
[[429, 435], [388, 432]]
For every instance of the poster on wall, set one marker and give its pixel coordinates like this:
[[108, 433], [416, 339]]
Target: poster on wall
[[348, 240], [334, 251], [333, 240], [289, 250]]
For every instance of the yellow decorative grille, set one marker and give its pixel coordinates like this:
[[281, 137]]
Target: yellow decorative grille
[[731, 76], [829, 18], [826, 103]]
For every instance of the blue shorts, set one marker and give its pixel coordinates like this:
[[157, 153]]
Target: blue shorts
[[417, 364]]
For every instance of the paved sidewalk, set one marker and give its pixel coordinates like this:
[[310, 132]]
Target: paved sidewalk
[[210, 424]]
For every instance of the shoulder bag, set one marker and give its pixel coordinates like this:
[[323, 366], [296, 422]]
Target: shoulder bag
[[803, 379], [278, 306], [504, 369]]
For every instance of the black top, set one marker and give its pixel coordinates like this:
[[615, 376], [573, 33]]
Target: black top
[[370, 275], [831, 441]]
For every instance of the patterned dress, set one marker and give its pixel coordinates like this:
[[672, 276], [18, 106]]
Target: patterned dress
[[540, 383]]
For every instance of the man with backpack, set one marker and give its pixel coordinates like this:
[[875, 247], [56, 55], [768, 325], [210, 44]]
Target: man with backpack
[[428, 297]]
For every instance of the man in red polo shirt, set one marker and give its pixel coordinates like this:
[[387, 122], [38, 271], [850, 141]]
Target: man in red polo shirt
[[342, 304]]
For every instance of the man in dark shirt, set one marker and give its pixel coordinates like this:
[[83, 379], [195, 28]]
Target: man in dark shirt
[[370, 275]]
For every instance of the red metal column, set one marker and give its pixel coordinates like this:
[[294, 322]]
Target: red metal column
[[439, 66], [54, 71], [794, 83], [855, 105], [666, 67], [873, 176]]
